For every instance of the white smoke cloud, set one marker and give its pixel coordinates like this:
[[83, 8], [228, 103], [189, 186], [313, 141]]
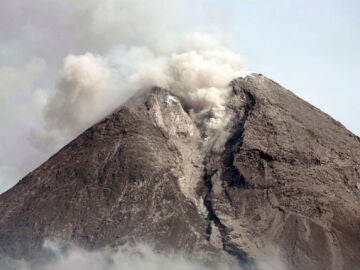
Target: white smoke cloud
[[201, 76], [198, 72]]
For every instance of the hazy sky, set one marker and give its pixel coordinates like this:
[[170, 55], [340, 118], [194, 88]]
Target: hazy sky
[[310, 47], [58, 59]]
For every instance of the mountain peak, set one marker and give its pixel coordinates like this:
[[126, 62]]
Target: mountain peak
[[278, 179]]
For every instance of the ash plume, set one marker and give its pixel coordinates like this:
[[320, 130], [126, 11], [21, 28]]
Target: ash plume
[[97, 55], [89, 87]]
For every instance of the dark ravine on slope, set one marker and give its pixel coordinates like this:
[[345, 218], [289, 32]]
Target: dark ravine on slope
[[286, 184]]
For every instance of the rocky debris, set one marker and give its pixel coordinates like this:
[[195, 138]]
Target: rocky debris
[[281, 182]]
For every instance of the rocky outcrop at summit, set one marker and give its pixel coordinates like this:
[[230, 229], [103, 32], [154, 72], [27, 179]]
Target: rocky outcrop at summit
[[280, 181]]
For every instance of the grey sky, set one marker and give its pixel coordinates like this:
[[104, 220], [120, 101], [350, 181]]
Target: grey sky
[[310, 47]]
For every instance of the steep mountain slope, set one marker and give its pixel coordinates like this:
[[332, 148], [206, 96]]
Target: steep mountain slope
[[282, 180], [289, 181]]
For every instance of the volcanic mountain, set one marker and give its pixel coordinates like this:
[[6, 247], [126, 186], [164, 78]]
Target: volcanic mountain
[[281, 179]]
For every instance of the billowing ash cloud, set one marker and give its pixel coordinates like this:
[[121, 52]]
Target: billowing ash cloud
[[84, 80], [200, 74], [89, 87], [66, 64]]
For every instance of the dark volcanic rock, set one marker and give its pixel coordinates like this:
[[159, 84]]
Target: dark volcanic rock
[[285, 186]]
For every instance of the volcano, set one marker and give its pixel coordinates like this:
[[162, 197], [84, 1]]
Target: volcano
[[280, 179]]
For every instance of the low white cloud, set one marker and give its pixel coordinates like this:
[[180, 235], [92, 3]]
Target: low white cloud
[[139, 257], [64, 256]]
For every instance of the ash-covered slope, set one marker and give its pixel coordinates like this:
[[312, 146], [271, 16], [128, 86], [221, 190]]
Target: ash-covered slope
[[282, 180]]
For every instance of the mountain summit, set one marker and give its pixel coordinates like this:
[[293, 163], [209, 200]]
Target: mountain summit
[[280, 178]]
